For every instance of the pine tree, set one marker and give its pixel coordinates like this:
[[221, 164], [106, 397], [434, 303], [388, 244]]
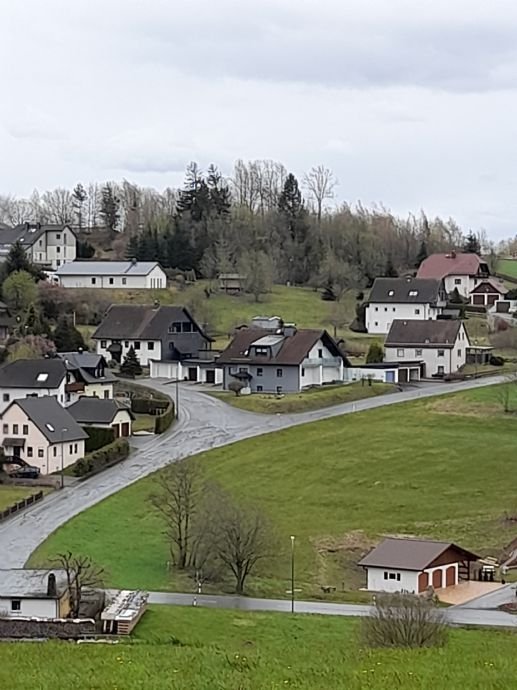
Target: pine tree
[[79, 196], [375, 354], [17, 260], [180, 250], [34, 324], [133, 248], [131, 365], [66, 336], [472, 245], [219, 192], [110, 207], [194, 198], [422, 254]]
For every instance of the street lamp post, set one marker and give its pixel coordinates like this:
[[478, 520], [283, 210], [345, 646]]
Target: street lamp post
[[177, 394], [292, 574], [63, 432]]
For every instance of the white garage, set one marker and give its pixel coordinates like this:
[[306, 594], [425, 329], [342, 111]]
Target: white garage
[[194, 370]]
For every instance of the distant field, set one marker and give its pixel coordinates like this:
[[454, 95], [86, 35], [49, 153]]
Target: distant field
[[508, 267], [438, 468], [312, 399], [177, 648]]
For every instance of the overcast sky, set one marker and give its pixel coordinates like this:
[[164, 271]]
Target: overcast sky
[[412, 103]]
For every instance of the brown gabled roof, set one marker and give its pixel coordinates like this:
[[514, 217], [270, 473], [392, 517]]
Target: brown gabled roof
[[293, 351], [458, 264], [439, 333], [489, 286], [411, 554]]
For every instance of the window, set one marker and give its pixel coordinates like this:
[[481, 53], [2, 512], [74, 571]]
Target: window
[[260, 371], [137, 344], [58, 250], [457, 281], [75, 447], [398, 577], [418, 353], [41, 243], [391, 293], [400, 352], [94, 280], [49, 427], [175, 327], [385, 308], [417, 311], [150, 345], [106, 395], [279, 389], [16, 605], [103, 344], [124, 281], [441, 353], [413, 293], [394, 309], [25, 429], [15, 429], [5, 397], [126, 343], [385, 575], [186, 327], [392, 576], [320, 353], [171, 346], [111, 281], [29, 452], [376, 308], [441, 370], [459, 353], [259, 389], [279, 373], [71, 449], [58, 262], [41, 453], [5, 428], [58, 236], [261, 350], [41, 378], [54, 451], [303, 371], [376, 323]]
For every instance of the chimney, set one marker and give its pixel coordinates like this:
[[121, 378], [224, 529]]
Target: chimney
[[289, 329], [51, 586], [134, 261]]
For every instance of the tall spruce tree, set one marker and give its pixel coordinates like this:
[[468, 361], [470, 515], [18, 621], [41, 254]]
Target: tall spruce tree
[[110, 204], [66, 336], [219, 192], [422, 254], [17, 260], [79, 197], [131, 365], [472, 245]]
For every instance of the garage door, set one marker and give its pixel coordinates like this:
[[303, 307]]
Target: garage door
[[402, 375], [479, 299], [125, 429], [390, 377], [423, 582], [210, 375], [450, 576], [192, 373], [437, 579], [116, 429]]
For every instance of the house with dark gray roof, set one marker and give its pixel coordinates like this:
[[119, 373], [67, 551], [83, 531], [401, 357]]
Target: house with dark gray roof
[[42, 433], [92, 375], [35, 377], [131, 274], [416, 299], [282, 361], [414, 565], [27, 593], [438, 347], [104, 414], [49, 246], [159, 333]]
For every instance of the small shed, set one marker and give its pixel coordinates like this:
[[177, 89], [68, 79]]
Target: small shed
[[231, 283], [123, 613], [412, 565]]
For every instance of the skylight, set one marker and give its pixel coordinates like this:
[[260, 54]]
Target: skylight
[[413, 293], [49, 427], [391, 293], [42, 377]]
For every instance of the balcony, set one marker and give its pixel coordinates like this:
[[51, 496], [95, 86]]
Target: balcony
[[75, 387], [322, 361]]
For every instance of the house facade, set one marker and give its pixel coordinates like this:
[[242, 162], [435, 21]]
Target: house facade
[[42, 433], [414, 565], [112, 274], [156, 333], [458, 270], [103, 414], [91, 374], [28, 593], [282, 361], [487, 293], [50, 246], [409, 298], [35, 378], [438, 347]]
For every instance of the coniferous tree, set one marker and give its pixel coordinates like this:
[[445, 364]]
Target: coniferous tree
[[79, 197], [110, 207], [131, 365], [66, 336], [17, 260], [219, 192], [85, 250], [472, 245], [34, 324], [422, 254], [133, 248]]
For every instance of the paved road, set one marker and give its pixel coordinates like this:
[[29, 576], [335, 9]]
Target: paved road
[[454, 615], [204, 423]]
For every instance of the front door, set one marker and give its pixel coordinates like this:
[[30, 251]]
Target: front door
[[210, 376], [192, 373], [125, 429], [17, 451]]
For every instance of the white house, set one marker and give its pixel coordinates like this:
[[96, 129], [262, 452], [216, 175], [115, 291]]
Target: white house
[[45, 245], [91, 374], [28, 593], [112, 274], [42, 433], [36, 377], [420, 299], [437, 347], [413, 565], [462, 271], [104, 414]]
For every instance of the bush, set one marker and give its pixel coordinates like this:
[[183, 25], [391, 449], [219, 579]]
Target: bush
[[235, 387], [98, 438], [163, 421], [375, 354], [496, 361], [404, 620], [95, 462], [149, 405]]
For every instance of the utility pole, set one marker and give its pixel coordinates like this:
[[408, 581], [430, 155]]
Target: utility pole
[[63, 432], [292, 574]]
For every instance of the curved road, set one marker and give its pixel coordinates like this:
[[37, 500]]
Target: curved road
[[204, 423]]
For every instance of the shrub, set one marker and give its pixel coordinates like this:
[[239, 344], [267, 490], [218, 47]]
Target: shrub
[[375, 354], [404, 620], [163, 421], [98, 438], [149, 405], [95, 462]]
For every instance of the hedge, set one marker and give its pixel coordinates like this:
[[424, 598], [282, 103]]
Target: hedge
[[98, 438], [163, 421], [101, 459], [148, 406]]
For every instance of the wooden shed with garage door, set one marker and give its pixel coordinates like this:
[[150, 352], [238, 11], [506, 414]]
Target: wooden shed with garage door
[[413, 565]]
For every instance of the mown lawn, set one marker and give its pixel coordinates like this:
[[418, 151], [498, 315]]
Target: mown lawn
[[438, 468], [11, 494], [508, 266], [312, 399], [178, 648]]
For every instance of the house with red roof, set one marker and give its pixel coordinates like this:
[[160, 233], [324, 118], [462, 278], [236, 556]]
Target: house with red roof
[[459, 270]]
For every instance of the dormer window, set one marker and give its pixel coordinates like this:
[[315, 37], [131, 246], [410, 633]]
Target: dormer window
[[413, 293], [261, 351]]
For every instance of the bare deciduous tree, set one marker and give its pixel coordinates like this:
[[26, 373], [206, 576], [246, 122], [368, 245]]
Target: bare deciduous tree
[[320, 184], [58, 206], [82, 575]]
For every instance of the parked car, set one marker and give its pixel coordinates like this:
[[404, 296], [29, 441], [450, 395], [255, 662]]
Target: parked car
[[26, 472]]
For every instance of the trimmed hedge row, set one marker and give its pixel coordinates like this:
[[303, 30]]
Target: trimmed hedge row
[[101, 459], [98, 438], [146, 400], [163, 421], [148, 405]]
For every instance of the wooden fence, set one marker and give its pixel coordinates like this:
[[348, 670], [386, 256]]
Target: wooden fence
[[21, 505]]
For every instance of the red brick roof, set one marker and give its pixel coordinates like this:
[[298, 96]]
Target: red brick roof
[[441, 265]]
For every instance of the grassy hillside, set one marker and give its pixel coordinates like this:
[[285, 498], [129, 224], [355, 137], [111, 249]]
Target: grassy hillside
[[438, 468], [508, 267], [198, 649]]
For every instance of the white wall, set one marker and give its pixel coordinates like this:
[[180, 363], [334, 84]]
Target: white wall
[[156, 279], [18, 393], [179, 370], [379, 317], [144, 354], [55, 248], [464, 284], [376, 582], [99, 390], [37, 608], [320, 366], [382, 375]]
